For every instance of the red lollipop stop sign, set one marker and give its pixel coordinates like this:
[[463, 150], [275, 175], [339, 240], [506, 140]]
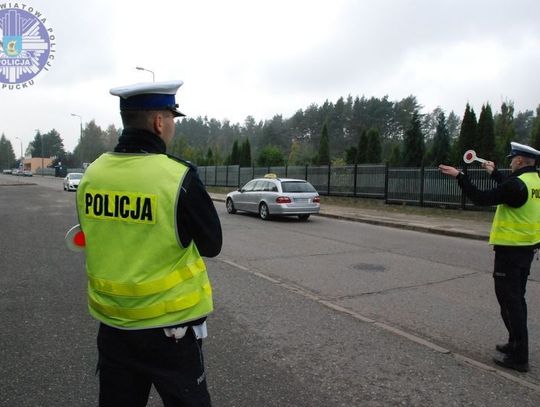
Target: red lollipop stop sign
[[75, 239], [470, 156]]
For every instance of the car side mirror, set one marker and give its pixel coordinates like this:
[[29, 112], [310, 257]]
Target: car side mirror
[[241, 190]]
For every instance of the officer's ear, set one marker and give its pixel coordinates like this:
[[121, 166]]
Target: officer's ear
[[157, 123]]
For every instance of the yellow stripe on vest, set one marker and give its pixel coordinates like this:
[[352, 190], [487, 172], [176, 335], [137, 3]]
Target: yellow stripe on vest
[[518, 225], [524, 238], [150, 287], [153, 311]]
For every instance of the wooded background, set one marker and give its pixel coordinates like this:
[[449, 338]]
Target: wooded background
[[348, 131]]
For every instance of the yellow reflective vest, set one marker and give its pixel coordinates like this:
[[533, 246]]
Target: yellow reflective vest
[[139, 275], [519, 226]]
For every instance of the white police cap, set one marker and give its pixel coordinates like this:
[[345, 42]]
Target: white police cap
[[149, 96], [523, 150]]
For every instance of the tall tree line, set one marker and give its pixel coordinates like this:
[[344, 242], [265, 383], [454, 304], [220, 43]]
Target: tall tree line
[[361, 130], [351, 130]]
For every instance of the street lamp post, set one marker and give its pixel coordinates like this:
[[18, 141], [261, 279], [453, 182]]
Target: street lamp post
[[80, 137], [42, 160], [140, 68]]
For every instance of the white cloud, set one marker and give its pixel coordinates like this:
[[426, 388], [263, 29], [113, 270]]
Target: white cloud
[[241, 57]]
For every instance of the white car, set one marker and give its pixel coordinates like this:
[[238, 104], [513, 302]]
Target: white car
[[273, 196], [71, 182]]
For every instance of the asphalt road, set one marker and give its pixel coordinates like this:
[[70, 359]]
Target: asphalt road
[[318, 313]]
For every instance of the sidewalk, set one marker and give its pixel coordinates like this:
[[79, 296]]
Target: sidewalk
[[447, 226]]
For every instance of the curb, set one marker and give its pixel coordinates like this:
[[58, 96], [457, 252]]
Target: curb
[[417, 228], [16, 184]]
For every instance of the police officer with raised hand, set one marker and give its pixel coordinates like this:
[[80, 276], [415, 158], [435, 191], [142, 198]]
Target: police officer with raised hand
[[515, 236], [147, 220]]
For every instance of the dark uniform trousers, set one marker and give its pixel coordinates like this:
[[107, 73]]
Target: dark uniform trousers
[[130, 361], [512, 267]]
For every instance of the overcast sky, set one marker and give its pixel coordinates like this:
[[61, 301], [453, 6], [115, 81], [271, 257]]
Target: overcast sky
[[261, 58]]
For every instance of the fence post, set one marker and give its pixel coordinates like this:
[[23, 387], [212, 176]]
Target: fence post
[[306, 172], [329, 178], [239, 170], [386, 175], [422, 173], [215, 175], [463, 198], [286, 170], [227, 175], [355, 178]]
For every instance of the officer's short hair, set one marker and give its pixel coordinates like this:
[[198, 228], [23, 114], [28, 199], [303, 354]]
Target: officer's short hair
[[528, 161], [139, 119]]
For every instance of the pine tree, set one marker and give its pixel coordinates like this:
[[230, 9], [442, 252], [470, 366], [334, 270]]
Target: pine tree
[[413, 143], [245, 154], [441, 142], [395, 156], [535, 133], [467, 139], [486, 133], [91, 144], [110, 137], [7, 156], [351, 154], [294, 154], [53, 144], [362, 149], [323, 157], [210, 157], [235, 154], [374, 149], [504, 131], [453, 122], [523, 125]]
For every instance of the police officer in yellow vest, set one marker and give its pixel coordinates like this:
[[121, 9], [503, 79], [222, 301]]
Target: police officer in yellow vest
[[147, 220], [515, 236]]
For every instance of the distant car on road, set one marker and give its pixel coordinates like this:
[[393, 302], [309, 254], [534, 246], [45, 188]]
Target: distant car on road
[[27, 173], [71, 182], [8, 171], [273, 196]]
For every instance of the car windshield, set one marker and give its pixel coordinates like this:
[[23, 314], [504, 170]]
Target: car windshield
[[75, 176], [297, 186]]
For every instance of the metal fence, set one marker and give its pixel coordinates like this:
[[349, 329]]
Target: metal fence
[[416, 186]]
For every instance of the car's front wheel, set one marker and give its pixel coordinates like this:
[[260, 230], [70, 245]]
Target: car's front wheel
[[230, 206], [263, 211]]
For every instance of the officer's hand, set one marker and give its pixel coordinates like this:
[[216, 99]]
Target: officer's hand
[[489, 166], [448, 170]]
